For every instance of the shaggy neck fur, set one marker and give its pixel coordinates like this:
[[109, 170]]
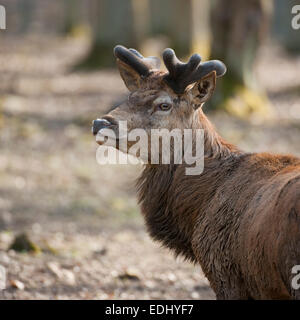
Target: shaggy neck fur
[[168, 220]]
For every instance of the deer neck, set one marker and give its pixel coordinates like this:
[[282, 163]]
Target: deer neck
[[215, 147], [157, 186], [154, 191]]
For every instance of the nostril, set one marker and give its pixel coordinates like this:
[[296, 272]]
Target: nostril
[[99, 124]]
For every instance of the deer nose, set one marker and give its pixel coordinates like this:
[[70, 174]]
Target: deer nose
[[99, 124]]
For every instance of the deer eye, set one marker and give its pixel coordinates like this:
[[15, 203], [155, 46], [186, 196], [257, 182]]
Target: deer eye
[[164, 106]]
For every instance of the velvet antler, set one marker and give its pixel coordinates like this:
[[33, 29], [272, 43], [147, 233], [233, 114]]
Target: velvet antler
[[134, 59], [181, 74]]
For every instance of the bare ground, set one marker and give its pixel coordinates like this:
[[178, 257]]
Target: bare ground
[[84, 216]]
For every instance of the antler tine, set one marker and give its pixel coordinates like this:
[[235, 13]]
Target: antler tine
[[133, 58], [152, 62], [171, 61], [209, 66], [136, 53], [193, 62], [180, 74]]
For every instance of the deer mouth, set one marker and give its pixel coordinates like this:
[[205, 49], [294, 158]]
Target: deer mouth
[[100, 124], [106, 131]]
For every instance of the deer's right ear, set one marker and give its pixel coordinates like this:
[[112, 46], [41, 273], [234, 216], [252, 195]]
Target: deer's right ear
[[130, 77]]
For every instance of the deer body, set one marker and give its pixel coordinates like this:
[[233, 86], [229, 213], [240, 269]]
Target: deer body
[[230, 223], [240, 218]]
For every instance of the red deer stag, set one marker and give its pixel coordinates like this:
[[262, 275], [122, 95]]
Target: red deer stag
[[240, 218]]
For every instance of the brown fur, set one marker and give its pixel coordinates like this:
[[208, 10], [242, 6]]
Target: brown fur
[[239, 219]]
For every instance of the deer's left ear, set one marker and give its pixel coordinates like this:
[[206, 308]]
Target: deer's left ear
[[203, 89]]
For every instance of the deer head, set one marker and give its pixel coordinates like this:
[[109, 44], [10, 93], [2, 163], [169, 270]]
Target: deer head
[[157, 99]]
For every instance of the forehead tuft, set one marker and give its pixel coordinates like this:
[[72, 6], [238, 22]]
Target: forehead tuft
[[155, 81]]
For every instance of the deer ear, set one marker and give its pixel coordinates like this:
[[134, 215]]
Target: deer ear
[[130, 77], [203, 89]]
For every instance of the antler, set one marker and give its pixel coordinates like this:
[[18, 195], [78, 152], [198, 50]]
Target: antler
[[143, 66], [181, 74]]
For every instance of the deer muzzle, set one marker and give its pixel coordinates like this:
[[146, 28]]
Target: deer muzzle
[[99, 124]]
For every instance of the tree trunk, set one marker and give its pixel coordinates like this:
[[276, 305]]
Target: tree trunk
[[112, 23], [237, 30]]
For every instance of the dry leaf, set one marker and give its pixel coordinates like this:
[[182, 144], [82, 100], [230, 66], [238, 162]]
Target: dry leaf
[[17, 284]]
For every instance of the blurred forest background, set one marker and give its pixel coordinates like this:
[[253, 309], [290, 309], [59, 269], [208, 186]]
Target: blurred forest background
[[70, 228]]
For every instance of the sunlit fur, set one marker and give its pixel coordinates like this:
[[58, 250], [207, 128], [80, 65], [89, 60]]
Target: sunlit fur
[[239, 219]]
